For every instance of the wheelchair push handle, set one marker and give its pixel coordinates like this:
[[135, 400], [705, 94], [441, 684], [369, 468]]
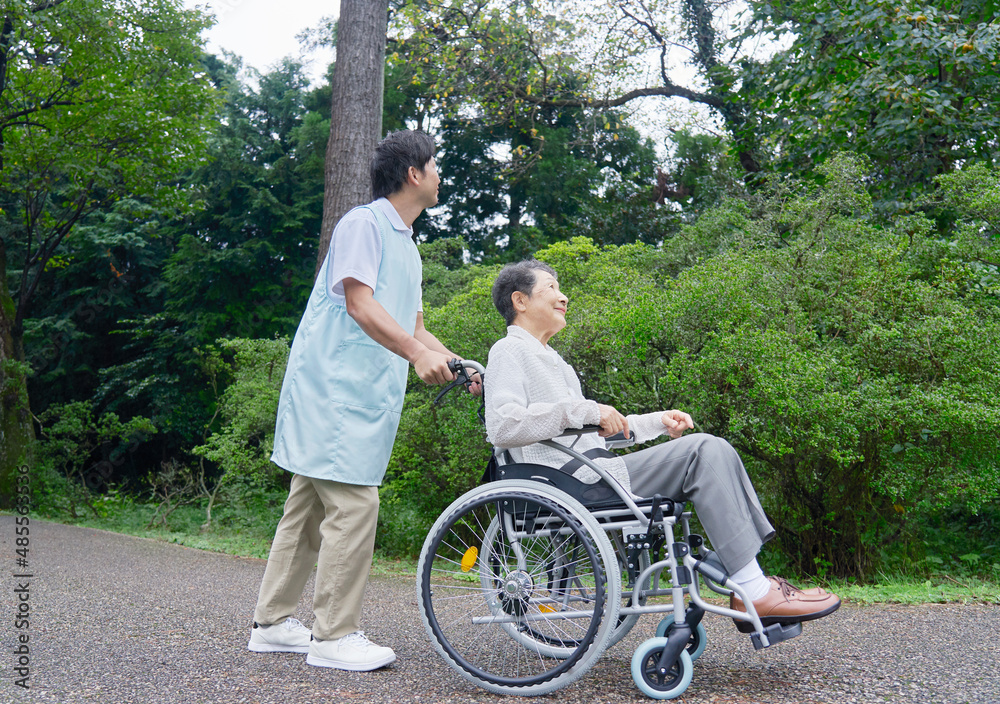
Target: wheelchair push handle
[[462, 376], [461, 366]]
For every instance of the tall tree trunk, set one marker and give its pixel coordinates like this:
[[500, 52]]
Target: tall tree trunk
[[17, 435], [355, 111]]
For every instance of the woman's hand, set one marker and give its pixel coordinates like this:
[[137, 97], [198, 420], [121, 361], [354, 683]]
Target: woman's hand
[[612, 422], [476, 387], [676, 422]]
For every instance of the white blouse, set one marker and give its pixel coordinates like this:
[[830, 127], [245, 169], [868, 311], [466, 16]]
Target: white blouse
[[532, 394]]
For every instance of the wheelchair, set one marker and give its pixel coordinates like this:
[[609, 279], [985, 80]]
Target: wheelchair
[[524, 581]]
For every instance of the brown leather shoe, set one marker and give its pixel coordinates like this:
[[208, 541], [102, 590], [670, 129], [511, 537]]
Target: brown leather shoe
[[785, 603]]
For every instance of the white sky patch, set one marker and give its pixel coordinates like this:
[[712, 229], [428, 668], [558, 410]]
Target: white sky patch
[[263, 32]]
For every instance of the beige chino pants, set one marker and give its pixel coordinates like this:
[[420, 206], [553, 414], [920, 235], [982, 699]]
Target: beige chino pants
[[331, 525]]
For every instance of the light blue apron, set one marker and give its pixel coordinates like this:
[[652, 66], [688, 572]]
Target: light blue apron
[[343, 392]]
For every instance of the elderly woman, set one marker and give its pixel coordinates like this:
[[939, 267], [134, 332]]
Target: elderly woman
[[533, 395]]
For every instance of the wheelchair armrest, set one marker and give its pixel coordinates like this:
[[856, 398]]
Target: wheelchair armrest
[[572, 432], [616, 441]]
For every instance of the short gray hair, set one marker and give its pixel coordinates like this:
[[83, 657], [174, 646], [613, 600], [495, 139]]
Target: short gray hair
[[519, 276]]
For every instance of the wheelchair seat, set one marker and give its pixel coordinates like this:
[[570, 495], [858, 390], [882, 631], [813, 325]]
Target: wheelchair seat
[[595, 497]]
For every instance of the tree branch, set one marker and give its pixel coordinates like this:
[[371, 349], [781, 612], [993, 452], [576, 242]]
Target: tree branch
[[47, 247], [9, 119], [670, 91]]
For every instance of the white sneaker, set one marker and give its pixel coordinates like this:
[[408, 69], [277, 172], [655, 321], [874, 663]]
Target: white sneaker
[[352, 652], [288, 637]]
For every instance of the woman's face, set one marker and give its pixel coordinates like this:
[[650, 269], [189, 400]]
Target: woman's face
[[544, 312]]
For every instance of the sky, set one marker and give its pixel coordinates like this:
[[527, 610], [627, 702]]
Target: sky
[[263, 31]]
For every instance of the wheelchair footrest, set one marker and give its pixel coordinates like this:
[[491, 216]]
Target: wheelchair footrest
[[777, 633]]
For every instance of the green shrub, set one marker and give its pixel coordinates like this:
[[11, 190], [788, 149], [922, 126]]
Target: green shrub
[[242, 447], [79, 455], [855, 373]]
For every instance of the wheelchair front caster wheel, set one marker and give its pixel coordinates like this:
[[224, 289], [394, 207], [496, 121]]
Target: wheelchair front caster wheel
[[696, 643], [651, 680]]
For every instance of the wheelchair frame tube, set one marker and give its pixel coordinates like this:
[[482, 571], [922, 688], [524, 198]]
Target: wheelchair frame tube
[[749, 615]]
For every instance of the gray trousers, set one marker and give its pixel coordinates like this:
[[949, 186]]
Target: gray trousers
[[706, 471]]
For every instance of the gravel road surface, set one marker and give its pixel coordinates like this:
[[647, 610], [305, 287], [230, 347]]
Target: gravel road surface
[[119, 619]]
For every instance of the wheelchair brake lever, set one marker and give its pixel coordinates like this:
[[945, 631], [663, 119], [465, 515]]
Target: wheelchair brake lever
[[655, 512], [445, 390], [461, 377]]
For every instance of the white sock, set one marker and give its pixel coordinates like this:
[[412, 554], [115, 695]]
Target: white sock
[[751, 578]]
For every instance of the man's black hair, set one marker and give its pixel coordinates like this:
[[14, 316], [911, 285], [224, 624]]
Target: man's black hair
[[393, 157], [519, 276]]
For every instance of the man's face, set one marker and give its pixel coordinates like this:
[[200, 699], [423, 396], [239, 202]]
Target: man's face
[[430, 182]]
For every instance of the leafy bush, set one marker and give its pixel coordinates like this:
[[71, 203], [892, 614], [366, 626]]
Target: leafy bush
[[242, 447], [80, 454], [853, 369]]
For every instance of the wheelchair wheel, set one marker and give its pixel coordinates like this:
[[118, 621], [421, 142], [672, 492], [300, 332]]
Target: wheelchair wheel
[[562, 567], [649, 679], [624, 624], [696, 643], [564, 646], [514, 591]]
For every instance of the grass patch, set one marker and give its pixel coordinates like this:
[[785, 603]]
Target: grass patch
[[243, 526], [388, 565], [900, 589]]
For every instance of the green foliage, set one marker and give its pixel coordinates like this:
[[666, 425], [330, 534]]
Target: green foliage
[[516, 175], [968, 261], [856, 381], [98, 102], [444, 270], [861, 390], [84, 452], [243, 524], [911, 85], [244, 263], [108, 270], [241, 265], [703, 174], [242, 447]]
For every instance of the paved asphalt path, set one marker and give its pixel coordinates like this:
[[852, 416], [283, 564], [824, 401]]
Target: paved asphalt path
[[119, 619]]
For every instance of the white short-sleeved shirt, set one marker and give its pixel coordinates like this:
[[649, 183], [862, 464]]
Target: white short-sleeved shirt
[[356, 248]]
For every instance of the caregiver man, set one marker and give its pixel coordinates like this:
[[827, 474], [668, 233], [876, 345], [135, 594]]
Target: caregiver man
[[339, 409], [533, 395]]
